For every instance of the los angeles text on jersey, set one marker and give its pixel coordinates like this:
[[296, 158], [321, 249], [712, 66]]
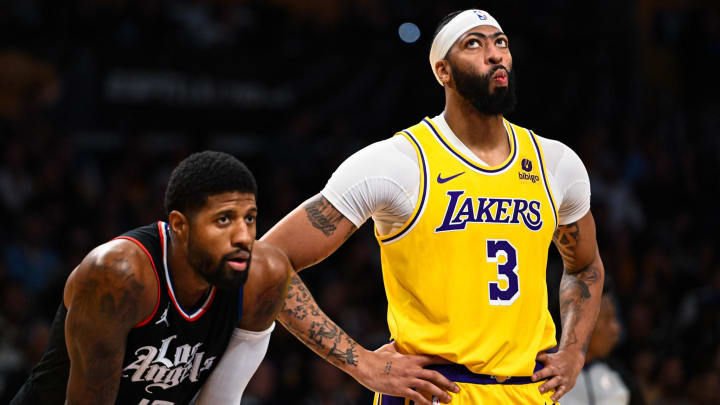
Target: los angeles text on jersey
[[154, 367], [489, 210]]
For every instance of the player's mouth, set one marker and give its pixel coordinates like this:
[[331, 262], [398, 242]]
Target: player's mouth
[[500, 77], [238, 261]]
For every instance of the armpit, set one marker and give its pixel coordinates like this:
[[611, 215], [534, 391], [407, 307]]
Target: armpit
[[376, 180]]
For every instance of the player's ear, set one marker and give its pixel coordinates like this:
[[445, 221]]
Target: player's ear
[[442, 68], [178, 224]]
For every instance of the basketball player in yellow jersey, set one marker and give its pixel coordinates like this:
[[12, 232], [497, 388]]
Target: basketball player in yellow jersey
[[465, 206]]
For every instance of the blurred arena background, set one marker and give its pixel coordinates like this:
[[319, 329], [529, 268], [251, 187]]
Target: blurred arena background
[[99, 99]]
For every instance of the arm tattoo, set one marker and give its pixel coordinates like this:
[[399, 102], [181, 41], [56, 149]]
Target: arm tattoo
[[388, 366], [566, 238], [297, 294], [109, 294], [348, 355], [119, 303], [323, 216], [574, 293], [575, 289], [323, 335], [324, 330]]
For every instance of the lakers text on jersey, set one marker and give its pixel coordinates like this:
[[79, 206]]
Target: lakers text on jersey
[[465, 275]]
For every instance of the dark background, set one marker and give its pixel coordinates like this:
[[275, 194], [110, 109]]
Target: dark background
[[100, 99]]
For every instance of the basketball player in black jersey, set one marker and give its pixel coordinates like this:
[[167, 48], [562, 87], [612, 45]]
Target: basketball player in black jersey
[[146, 317]]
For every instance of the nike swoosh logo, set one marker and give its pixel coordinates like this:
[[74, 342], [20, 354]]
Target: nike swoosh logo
[[446, 179]]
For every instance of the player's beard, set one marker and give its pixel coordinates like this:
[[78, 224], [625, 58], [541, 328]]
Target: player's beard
[[220, 274], [475, 88]]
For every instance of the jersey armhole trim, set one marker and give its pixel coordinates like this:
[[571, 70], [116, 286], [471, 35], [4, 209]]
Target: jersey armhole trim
[[538, 151], [157, 278], [422, 197]]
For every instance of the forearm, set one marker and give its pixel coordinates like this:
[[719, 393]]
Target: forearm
[[304, 319], [95, 371], [580, 297], [95, 365], [106, 393], [306, 236], [241, 359]]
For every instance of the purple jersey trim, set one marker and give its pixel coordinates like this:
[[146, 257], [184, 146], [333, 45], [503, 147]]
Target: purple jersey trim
[[460, 373]]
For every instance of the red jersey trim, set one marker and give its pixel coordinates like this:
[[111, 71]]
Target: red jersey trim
[[208, 301], [157, 278]]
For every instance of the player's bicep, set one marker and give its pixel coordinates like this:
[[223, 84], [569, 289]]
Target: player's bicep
[[311, 232], [577, 243], [107, 301]]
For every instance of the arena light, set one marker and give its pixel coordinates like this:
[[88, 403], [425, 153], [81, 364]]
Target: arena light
[[409, 32]]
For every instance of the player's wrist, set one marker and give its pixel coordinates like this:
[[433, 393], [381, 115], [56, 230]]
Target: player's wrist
[[573, 349], [362, 370], [575, 352]]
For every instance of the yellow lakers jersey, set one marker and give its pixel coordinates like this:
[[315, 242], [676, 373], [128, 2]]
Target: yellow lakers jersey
[[465, 275]]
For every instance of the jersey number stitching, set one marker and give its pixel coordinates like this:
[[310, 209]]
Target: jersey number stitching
[[505, 271]]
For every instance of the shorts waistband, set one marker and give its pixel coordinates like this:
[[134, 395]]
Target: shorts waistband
[[460, 373], [389, 400]]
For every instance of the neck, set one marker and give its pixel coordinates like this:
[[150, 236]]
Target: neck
[[188, 284], [484, 135]]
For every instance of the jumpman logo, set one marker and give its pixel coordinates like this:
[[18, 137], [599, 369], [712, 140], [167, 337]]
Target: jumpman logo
[[163, 318]]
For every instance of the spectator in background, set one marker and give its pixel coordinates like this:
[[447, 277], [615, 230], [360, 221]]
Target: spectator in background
[[16, 185], [602, 381], [15, 307], [671, 382], [26, 84], [262, 389], [31, 259], [639, 91]]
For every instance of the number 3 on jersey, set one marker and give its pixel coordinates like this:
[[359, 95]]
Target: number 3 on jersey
[[507, 271]]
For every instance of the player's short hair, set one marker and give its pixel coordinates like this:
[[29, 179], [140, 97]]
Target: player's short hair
[[202, 175], [444, 22]]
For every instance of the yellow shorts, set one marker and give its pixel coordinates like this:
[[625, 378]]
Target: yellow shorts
[[477, 389]]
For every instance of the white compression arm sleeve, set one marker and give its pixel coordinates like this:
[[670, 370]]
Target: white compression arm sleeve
[[382, 180], [242, 357]]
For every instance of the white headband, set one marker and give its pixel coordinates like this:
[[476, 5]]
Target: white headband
[[447, 36]]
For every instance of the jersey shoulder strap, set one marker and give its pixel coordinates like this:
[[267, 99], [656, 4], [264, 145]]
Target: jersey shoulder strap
[[149, 240]]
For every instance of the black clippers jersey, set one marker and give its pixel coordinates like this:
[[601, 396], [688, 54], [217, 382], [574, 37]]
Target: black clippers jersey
[[168, 356]]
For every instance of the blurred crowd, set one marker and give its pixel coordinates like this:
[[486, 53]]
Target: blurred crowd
[[99, 99]]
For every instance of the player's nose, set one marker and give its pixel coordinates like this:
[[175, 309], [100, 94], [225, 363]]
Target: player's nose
[[242, 236], [493, 56]]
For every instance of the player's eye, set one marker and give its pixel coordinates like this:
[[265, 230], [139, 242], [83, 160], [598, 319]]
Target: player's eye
[[250, 219], [474, 43], [223, 220], [501, 43]]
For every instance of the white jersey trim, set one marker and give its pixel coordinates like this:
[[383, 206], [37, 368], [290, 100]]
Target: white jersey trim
[[168, 279]]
